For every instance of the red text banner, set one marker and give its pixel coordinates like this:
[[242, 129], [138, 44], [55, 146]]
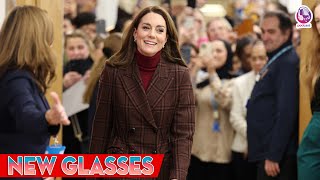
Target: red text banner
[[81, 165]]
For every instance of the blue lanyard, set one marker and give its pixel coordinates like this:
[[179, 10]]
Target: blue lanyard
[[274, 58]]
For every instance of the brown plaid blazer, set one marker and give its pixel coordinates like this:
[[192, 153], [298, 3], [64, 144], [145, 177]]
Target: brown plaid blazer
[[159, 120]]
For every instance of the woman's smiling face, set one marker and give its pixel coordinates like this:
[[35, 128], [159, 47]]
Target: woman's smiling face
[[151, 34]]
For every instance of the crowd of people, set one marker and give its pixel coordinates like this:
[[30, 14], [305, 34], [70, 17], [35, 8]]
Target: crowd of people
[[219, 102]]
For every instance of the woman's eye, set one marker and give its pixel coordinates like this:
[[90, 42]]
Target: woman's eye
[[145, 27], [218, 50], [160, 30]]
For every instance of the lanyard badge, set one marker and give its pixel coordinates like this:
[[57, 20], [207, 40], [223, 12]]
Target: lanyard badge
[[264, 70], [216, 123], [55, 148]]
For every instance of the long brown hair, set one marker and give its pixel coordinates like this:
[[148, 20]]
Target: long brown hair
[[312, 67], [26, 37], [170, 52]]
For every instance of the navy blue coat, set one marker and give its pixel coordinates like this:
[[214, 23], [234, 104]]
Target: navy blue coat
[[272, 110], [24, 128]]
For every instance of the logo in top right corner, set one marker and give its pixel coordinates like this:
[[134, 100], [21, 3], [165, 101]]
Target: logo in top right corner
[[303, 17]]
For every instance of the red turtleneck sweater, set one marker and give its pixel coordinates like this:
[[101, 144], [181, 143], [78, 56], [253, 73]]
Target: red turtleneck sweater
[[147, 67]]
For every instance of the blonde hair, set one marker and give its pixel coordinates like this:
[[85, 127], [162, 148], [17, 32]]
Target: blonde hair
[[224, 21], [26, 37], [312, 67], [112, 43], [79, 34]]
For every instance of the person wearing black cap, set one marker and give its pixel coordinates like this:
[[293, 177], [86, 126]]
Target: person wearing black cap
[[87, 23]]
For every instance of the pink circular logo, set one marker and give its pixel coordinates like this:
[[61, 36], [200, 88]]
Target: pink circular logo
[[304, 15]]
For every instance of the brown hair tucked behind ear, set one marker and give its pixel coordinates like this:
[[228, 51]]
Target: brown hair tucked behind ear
[[26, 37]]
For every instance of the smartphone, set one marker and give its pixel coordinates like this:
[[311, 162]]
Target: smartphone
[[205, 49], [188, 22], [101, 26], [192, 3], [186, 52]]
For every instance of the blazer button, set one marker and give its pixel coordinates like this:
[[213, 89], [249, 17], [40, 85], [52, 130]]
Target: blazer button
[[132, 130], [155, 130], [132, 151], [154, 152]]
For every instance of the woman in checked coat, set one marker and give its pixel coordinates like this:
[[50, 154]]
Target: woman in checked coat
[[145, 98]]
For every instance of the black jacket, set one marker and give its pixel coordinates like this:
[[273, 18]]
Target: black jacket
[[272, 110]]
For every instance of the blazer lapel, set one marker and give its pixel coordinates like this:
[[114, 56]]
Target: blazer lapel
[[159, 84], [44, 100], [134, 89]]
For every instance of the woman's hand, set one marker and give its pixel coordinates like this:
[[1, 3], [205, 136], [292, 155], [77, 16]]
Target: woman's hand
[[210, 65], [86, 77], [71, 78], [194, 65], [185, 36], [56, 115]]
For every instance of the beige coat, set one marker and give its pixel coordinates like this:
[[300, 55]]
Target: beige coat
[[242, 88], [208, 145]]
